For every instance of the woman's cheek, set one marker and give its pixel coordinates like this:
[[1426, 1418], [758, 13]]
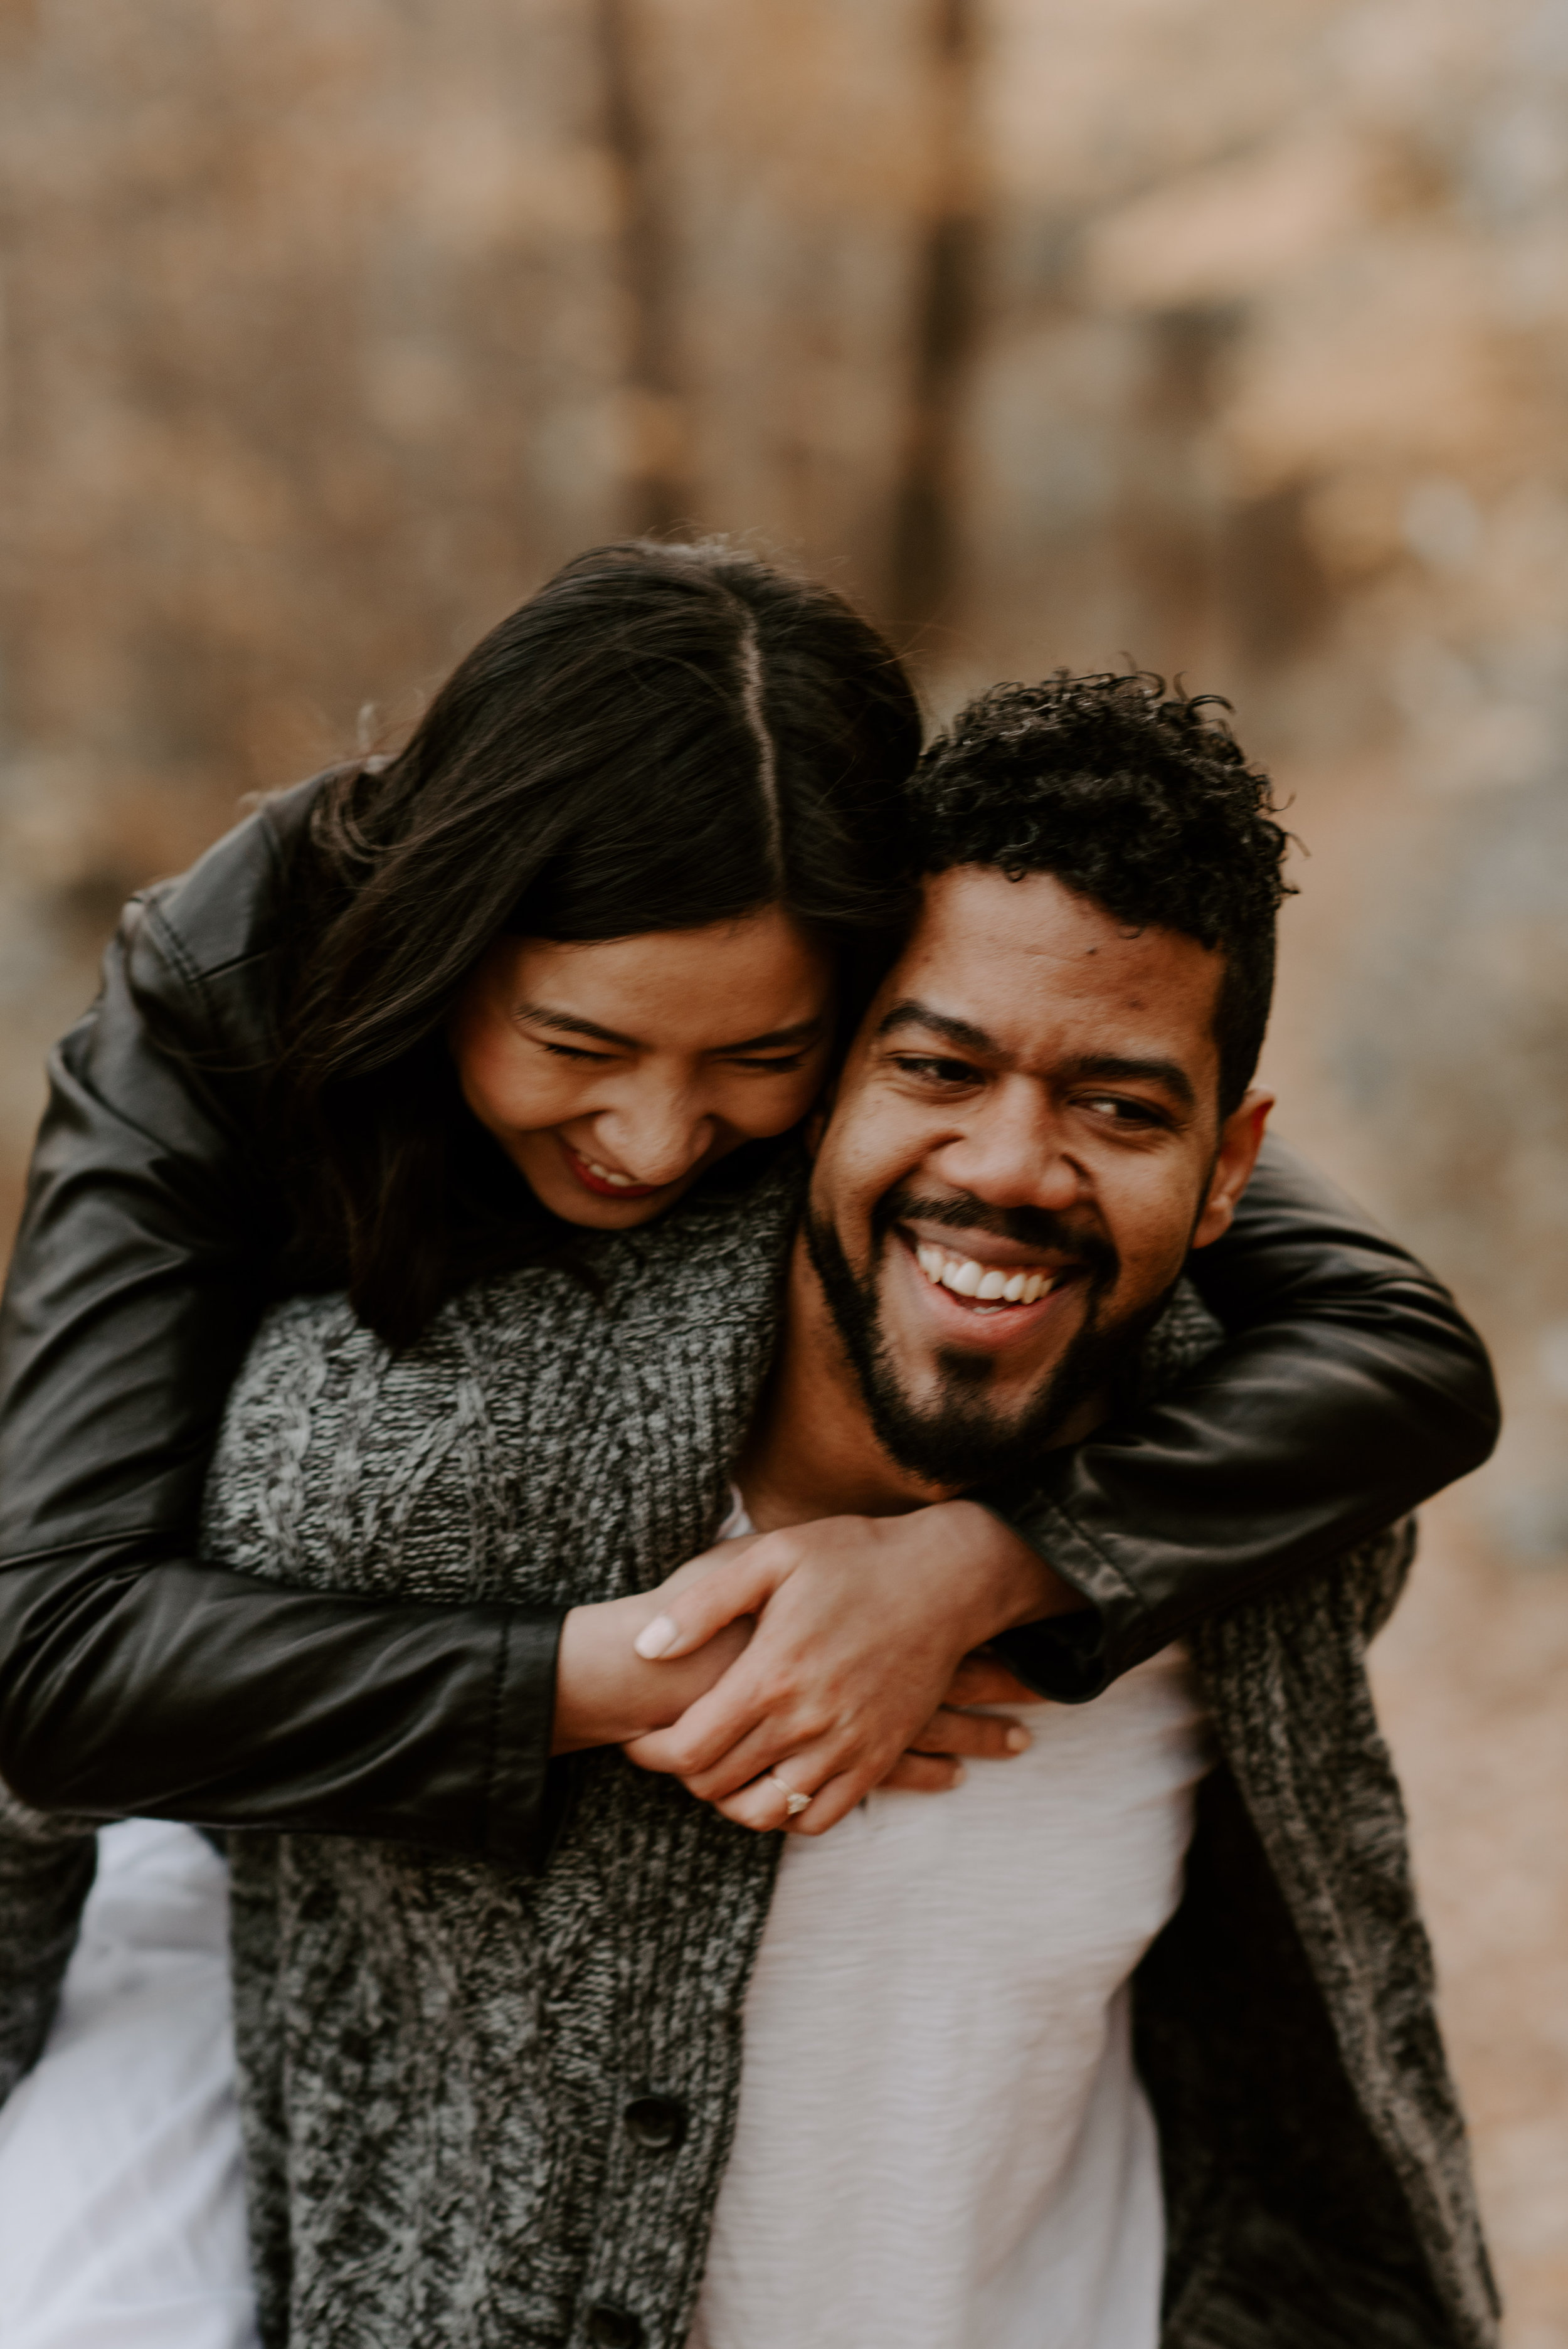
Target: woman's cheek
[[550, 1100], [785, 1105], [511, 1092]]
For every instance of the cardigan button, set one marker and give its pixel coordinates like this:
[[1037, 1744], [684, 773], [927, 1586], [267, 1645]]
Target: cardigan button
[[614, 2328], [657, 2122]]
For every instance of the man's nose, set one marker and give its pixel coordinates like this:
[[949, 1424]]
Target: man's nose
[[1012, 1153], [656, 1132]]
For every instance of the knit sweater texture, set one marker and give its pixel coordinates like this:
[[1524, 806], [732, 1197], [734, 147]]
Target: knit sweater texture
[[438, 2054]]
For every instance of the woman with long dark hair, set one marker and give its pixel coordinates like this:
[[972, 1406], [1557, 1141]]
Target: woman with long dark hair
[[663, 742]]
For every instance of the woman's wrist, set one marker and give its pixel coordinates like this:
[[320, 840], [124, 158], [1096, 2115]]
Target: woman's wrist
[[605, 1695], [594, 1698], [1013, 1583]]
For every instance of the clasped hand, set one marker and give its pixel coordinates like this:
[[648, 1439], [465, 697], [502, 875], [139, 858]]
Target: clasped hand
[[841, 1654]]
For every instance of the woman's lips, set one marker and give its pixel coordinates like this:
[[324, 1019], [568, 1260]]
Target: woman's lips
[[603, 1182]]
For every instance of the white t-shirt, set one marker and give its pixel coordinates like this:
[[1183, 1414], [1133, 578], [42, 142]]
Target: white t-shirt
[[122, 2197], [941, 2141]]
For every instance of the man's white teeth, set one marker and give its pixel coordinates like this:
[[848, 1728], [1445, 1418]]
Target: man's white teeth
[[986, 1283], [621, 1182]]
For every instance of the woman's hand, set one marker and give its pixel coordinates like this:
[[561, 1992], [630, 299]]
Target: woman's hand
[[862, 1623], [605, 1691], [606, 1695]]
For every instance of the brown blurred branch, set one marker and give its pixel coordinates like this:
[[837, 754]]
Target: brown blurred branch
[[925, 554], [659, 486]]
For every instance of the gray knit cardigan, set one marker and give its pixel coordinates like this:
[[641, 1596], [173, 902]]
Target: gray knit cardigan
[[440, 2058]]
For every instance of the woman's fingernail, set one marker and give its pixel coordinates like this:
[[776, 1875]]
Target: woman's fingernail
[[1018, 1739], [959, 1775], [656, 1639]]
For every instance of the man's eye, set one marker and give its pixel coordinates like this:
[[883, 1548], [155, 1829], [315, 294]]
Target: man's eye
[[1123, 1111], [935, 1070]]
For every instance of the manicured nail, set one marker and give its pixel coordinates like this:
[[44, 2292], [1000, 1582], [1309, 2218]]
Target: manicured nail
[[959, 1775], [1018, 1740], [656, 1639]]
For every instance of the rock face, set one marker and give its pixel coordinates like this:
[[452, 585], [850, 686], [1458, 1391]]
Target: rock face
[[1232, 338]]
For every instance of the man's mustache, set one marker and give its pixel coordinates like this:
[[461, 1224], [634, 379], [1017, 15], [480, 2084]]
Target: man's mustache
[[1031, 1228]]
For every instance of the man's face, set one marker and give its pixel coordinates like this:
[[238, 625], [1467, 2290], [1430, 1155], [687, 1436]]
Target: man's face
[[1025, 1146]]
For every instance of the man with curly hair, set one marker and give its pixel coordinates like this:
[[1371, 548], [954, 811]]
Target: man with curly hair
[[1132, 2042]]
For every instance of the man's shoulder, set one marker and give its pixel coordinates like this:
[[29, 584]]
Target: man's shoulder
[[717, 1259], [1185, 1332]]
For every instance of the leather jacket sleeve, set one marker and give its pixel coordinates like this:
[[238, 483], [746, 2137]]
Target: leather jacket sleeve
[[136, 1678], [1351, 1389]]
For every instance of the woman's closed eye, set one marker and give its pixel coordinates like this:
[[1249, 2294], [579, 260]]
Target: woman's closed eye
[[573, 1051], [786, 1064]]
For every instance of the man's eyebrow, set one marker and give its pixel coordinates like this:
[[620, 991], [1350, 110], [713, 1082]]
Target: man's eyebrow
[[566, 1023], [1113, 1068], [912, 1013]]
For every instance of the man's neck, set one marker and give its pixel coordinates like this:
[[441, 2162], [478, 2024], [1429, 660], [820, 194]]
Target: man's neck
[[813, 1451]]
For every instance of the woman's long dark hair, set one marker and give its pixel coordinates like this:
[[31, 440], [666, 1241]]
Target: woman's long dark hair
[[664, 737]]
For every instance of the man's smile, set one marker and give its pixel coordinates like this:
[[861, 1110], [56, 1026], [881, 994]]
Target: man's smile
[[987, 1286], [977, 1290]]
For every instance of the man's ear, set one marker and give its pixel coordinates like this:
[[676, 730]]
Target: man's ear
[[1241, 1138]]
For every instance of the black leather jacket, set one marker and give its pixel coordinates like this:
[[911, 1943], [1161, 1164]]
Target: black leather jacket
[[134, 1678]]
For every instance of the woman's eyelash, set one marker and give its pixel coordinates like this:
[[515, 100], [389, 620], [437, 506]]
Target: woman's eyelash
[[572, 1052], [784, 1066]]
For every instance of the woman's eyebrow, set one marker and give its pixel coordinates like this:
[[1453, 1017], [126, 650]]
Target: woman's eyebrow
[[569, 1025]]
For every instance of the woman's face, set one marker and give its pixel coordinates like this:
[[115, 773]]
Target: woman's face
[[612, 1075]]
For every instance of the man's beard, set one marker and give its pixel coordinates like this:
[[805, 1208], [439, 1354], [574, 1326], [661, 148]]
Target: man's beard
[[957, 1440]]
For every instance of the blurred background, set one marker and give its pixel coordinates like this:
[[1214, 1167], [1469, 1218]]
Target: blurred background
[[1231, 337]]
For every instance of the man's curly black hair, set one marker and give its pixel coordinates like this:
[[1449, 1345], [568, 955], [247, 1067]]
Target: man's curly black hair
[[1134, 795]]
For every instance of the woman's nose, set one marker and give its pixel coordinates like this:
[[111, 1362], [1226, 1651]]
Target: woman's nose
[[657, 1136]]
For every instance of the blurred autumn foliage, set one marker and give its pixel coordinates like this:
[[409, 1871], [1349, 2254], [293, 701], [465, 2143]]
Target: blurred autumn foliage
[[1231, 337]]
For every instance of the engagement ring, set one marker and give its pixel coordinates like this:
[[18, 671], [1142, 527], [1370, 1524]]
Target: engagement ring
[[793, 1797]]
